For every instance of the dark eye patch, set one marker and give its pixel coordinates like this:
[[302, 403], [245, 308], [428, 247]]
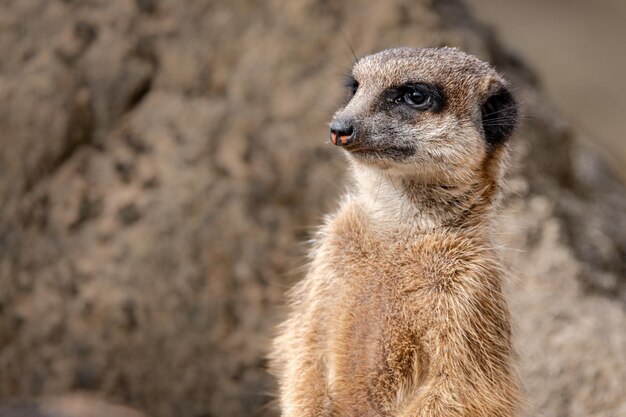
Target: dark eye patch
[[417, 96]]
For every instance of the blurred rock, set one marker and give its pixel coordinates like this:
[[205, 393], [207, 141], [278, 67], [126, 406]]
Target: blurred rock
[[162, 164], [68, 406]]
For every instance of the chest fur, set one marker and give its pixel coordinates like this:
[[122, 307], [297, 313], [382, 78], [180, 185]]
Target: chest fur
[[381, 307]]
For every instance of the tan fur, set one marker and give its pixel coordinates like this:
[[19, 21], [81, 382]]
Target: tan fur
[[402, 313]]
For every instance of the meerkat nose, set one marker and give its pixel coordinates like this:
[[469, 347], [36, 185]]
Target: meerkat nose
[[341, 132]]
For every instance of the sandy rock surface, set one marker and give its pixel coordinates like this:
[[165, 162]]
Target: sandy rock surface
[[162, 164]]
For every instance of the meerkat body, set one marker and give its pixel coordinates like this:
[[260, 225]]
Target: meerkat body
[[402, 313]]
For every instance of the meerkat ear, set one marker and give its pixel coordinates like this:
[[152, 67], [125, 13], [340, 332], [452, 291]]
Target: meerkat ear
[[499, 114]]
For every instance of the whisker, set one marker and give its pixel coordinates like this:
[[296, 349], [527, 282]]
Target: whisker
[[504, 109], [345, 36]]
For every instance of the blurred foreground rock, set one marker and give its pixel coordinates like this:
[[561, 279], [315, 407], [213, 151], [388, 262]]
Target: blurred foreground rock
[[67, 406], [162, 162]]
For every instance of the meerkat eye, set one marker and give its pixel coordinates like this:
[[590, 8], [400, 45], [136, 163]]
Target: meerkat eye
[[352, 85], [415, 97]]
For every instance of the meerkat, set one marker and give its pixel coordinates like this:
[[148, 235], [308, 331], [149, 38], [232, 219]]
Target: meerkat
[[401, 313]]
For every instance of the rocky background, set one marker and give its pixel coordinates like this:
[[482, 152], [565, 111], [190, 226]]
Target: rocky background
[[577, 47], [162, 164]]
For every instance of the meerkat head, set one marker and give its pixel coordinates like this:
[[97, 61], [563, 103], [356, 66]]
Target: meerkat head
[[431, 114]]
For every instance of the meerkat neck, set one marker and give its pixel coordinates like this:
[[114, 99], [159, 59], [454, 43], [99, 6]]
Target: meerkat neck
[[397, 204]]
